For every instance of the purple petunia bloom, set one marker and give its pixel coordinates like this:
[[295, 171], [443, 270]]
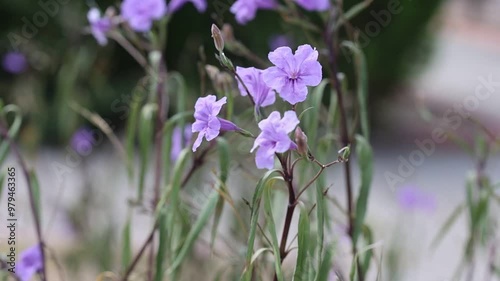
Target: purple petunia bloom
[[245, 10], [277, 41], [140, 14], [314, 5], [174, 5], [292, 73], [260, 92], [99, 26], [14, 62], [82, 141], [411, 198], [180, 138], [207, 123], [30, 263], [274, 137]]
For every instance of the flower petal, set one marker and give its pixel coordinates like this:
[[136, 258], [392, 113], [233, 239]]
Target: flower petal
[[289, 121], [294, 91], [198, 140], [264, 158], [283, 58]]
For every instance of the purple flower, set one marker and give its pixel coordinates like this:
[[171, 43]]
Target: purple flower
[[99, 26], [245, 10], [82, 141], [30, 263], [207, 123], [14, 62], [292, 73], [180, 138], [411, 198], [260, 92], [314, 5], [274, 137], [140, 14], [174, 5], [277, 41]]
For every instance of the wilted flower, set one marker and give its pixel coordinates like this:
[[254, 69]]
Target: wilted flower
[[292, 73], [314, 5], [413, 199], [274, 137], [140, 14], [260, 92], [180, 139], [14, 62], [245, 10], [82, 141], [174, 5], [99, 26], [207, 123], [30, 263]]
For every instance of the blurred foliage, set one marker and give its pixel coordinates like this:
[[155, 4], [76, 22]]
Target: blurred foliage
[[66, 64]]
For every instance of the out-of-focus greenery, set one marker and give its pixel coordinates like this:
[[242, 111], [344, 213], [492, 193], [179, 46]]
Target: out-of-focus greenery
[[66, 64]]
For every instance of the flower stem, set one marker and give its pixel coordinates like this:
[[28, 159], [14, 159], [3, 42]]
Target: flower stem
[[5, 134]]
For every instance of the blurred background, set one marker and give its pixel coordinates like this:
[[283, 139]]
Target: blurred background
[[431, 54]]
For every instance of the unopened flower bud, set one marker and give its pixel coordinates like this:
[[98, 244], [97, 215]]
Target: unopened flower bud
[[345, 152], [218, 39], [301, 141]]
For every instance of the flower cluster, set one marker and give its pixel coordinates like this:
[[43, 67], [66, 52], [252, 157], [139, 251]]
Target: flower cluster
[[290, 76], [138, 14], [245, 10]]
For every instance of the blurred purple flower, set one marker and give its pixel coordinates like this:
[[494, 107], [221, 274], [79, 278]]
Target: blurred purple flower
[[277, 41], [314, 5], [82, 141], [245, 10], [207, 123], [180, 138], [14, 62], [140, 14], [30, 263], [174, 5], [99, 26], [292, 73], [411, 198], [260, 92], [274, 137]]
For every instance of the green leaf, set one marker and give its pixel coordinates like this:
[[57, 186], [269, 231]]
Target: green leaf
[[126, 243], [131, 130], [301, 267], [352, 12], [146, 128], [36, 193], [247, 274], [449, 222], [224, 173], [368, 235], [326, 266], [2, 179], [162, 246], [312, 120], [364, 152], [268, 211], [362, 86], [194, 232], [320, 220], [13, 128]]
